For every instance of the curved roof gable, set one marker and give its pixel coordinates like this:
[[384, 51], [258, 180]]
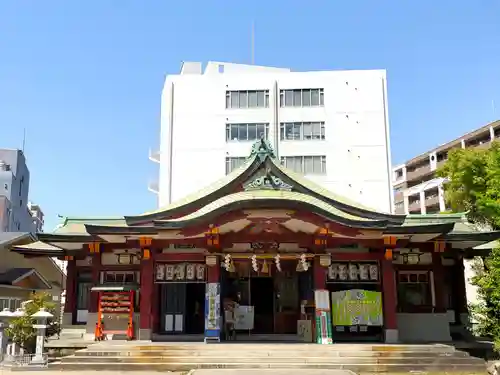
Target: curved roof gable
[[261, 163]]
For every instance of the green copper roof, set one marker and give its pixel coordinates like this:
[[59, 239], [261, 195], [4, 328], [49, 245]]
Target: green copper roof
[[267, 184], [411, 220], [76, 225], [270, 196]]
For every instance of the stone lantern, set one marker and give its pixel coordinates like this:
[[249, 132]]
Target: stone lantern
[[41, 318], [5, 316]]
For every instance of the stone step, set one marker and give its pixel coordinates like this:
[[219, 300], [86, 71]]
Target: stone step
[[266, 354], [270, 360], [356, 367], [110, 346]]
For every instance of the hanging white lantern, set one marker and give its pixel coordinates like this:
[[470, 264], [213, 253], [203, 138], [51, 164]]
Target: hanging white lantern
[[227, 262], [304, 262], [278, 262], [255, 266]]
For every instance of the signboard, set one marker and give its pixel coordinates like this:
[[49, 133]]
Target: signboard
[[357, 307], [244, 318], [323, 320], [304, 330], [180, 272], [323, 327], [212, 311], [353, 272]]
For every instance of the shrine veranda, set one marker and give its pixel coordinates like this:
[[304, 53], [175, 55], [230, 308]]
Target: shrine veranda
[[284, 256]]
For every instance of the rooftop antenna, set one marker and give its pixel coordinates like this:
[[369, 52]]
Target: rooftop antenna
[[24, 139], [253, 44]]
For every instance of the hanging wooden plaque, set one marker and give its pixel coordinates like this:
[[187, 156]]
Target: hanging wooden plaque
[[160, 272], [190, 271], [200, 272]]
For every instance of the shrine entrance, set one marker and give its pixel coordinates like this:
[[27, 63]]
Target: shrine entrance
[[267, 302]]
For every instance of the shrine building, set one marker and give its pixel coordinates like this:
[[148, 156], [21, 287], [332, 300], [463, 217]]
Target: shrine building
[[291, 260]]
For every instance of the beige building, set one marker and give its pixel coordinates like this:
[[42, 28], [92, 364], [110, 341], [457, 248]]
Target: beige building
[[417, 190], [20, 276]]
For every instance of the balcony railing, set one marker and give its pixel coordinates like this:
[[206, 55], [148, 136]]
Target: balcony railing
[[431, 200], [399, 210], [154, 187], [483, 145], [154, 156], [414, 206], [418, 173], [398, 197]]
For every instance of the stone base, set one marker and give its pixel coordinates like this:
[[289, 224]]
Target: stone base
[[144, 334], [465, 319], [67, 319], [391, 336]]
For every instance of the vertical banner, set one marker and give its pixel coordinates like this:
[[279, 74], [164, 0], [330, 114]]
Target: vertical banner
[[323, 319], [212, 311]]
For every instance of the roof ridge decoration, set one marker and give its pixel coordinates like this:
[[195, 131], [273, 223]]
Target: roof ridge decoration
[[262, 148], [267, 181]]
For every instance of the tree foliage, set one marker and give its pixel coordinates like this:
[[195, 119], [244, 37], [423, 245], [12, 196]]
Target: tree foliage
[[21, 329], [473, 186], [474, 183]]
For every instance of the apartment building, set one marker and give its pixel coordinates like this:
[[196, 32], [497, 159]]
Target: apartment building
[[14, 188], [17, 214], [331, 126], [37, 215], [417, 190]]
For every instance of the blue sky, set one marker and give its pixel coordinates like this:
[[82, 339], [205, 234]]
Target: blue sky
[[84, 77]]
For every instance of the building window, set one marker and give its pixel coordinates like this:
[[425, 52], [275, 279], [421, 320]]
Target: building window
[[10, 303], [302, 131], [302, 98], [120, 277], [305, 164], [414, 291], [21, 183], [234, 163], [246, 132], [247, 99]]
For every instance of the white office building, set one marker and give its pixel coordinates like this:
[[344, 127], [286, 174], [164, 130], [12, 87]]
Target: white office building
[[331, 126]]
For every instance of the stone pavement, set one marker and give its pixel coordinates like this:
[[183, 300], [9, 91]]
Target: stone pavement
[[272, 371], [193, 372]]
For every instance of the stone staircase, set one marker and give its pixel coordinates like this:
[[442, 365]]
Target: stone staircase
[[360, 358]]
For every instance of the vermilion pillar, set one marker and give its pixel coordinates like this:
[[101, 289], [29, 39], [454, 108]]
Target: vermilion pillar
[[439, 286], [389, 297], [213, 273], [146, 298], [96, 280], [319, 275], [70, 302]]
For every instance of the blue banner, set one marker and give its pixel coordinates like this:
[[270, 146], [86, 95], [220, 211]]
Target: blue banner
[[212, 311]]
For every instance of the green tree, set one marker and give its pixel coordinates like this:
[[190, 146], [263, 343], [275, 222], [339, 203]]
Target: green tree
[[474, 183], [474, 187], [21, 329]]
